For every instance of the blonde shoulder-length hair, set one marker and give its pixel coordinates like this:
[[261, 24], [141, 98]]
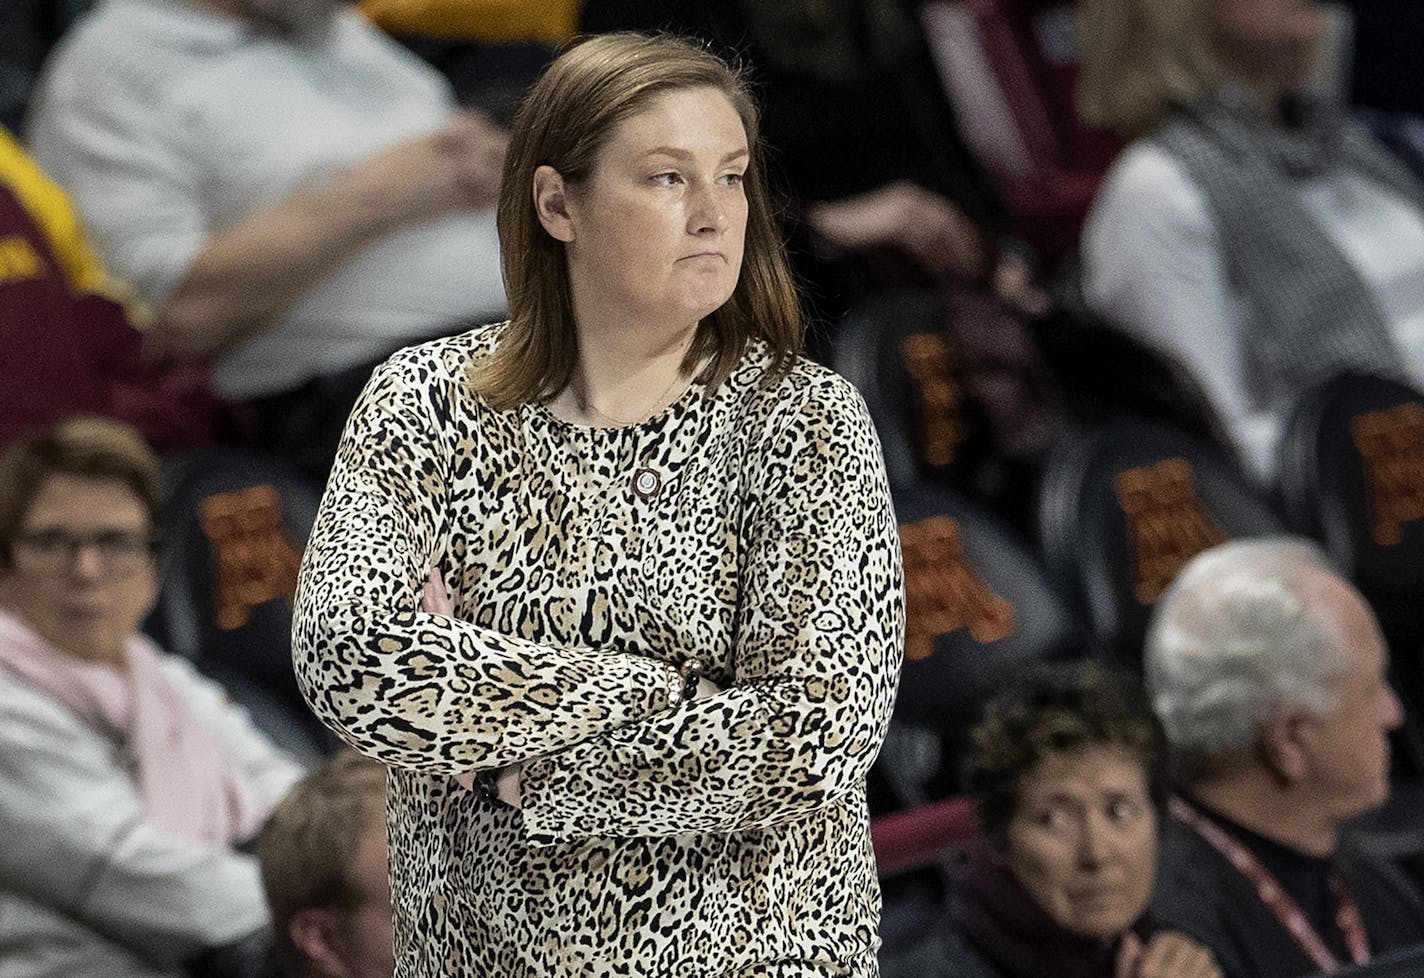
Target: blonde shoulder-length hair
[[1140, 58], [564, 122]]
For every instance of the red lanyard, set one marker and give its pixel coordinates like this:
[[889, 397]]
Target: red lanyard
[[1347, 914]]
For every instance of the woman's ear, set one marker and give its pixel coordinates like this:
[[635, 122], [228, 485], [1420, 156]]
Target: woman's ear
[[314, 932], [552, 205]]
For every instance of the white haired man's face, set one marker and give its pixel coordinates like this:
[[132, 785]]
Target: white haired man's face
[[1347, 749]]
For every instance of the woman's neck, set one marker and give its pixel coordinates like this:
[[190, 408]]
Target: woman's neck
[[624, 376], [1262, 77], [97, 650]]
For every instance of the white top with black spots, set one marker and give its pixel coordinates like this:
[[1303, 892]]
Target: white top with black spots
[[727, 836]]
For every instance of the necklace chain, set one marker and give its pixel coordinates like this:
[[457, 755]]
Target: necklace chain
[[585, 404]]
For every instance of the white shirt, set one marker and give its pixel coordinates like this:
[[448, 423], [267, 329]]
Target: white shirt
[[89, 883], [1153, 264], [169, 124]]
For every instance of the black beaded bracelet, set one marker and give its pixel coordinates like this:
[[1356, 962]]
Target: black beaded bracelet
[[691, 674]]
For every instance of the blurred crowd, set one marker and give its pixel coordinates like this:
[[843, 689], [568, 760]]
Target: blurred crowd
[[1124, 283]]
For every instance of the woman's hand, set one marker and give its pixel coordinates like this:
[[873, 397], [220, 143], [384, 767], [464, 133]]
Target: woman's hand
[[506, 785], [1013, 284], [927, 227], [434, 599], [1168, 955]]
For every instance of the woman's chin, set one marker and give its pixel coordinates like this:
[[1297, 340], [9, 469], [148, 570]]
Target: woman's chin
[[1100, 922]]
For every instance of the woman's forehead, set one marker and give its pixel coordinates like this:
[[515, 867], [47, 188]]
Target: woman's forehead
[[1088, 770], [61, 498], [688, 121]]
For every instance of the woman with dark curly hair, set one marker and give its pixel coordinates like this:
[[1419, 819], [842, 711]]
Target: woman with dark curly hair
[[1067, 774]]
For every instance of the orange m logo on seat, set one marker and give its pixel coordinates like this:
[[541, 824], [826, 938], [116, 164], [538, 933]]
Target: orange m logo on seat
[[253, 561], [1166, 524]]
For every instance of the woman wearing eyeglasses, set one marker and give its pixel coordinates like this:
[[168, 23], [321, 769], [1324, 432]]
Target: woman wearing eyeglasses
[[126, 780]]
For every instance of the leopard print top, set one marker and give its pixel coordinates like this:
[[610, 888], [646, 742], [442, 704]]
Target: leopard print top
[[727, 836]]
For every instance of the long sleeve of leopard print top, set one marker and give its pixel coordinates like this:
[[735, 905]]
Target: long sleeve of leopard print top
[[419, 690]]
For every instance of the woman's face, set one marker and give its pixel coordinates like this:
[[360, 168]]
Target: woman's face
[[82, 572], [1277, 37], [1083, 839], [655, 234]]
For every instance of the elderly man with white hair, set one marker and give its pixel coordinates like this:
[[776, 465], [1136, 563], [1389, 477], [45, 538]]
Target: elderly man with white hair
[[1269, 673]]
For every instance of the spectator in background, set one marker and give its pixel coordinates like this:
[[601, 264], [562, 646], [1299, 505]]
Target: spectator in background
[[862, 139], [68, 342], [1252, 232], [292, 192], [1268, 671], [126, 780], [324, 868], [1066, 772]]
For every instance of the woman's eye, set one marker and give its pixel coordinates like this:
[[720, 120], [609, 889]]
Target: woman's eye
[[667, 179], [1123, 810], [1052, 818], [734, 179]]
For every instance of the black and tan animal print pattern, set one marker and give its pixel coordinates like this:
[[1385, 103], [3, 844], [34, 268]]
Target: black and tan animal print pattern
[[728, 836]]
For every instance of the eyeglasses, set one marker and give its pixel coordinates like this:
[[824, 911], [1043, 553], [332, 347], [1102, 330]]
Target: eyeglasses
[[120, 552]]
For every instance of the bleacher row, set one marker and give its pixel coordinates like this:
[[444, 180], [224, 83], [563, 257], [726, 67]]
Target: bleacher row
[[1122, 505]]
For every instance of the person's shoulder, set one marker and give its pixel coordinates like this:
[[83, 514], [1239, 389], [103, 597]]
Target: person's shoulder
[[19, 698], [1194, 897], [1390, 901], [444, 358], [1190, 877], [806, 405], [127, 35], [356, 39], [1200, 894], [436, 375], [939, 952], [33, 722], [124, 59], [804, 385], [1147, 208], [1144, 179]]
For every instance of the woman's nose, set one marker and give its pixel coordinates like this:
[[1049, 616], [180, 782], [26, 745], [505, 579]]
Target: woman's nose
[[85, 562], [1393, 710], [708, 213], [1094, 841]]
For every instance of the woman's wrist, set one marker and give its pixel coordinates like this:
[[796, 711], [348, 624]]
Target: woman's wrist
[[682, 681]]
